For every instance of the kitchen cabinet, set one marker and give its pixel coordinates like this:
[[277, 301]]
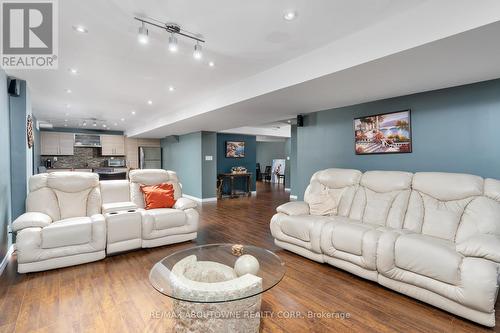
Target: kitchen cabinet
[[55, 144], [112, 145]]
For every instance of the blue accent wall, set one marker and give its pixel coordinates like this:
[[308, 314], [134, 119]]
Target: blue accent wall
[[249, 161], [182, 154], [5, 188], [453, 130], [19, 155]]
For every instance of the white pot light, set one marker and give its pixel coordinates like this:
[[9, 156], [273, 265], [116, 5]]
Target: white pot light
[[73, 71], [68, 91], [171, 88], [80, 28], [133, 113], [172, 43], [290, 15], [150, 102], [198, 53], [143, 36], [211, 64]]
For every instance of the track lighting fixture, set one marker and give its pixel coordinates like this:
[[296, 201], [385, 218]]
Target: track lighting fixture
[[143, 35], [174, 30]]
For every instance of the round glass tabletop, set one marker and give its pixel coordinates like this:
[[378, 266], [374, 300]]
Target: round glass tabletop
[[217, 273]]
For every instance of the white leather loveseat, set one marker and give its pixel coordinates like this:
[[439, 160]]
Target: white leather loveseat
[[431, 236], [64, 226]]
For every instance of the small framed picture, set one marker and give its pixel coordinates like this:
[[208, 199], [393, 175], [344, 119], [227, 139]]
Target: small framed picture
[[235, 149], [386, 133]]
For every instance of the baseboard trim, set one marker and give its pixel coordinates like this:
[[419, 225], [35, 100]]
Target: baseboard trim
[[199, 199], [5, 260]]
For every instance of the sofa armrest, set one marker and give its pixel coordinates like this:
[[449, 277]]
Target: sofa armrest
[[30, 220], [185, 203], [481, 246], [117, 206], [294, 208]]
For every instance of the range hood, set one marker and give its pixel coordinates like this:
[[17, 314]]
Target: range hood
[[87, 140]]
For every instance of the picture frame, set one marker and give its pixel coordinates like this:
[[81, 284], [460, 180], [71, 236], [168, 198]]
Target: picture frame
[[235, 149], [383, 133]]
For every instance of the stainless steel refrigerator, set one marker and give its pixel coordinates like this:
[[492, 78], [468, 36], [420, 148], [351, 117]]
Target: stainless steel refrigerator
[[150, 157]]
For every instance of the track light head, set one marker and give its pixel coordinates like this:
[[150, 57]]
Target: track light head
[[172, 43], [198, 53], [143, 36]]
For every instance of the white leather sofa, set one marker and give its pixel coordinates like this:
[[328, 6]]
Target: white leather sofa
[[431, 236], [63, 225]]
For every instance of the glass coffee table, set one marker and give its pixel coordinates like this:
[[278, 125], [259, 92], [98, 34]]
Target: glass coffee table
[[217, 287]]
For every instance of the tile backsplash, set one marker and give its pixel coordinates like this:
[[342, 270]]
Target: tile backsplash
[[83, 158]]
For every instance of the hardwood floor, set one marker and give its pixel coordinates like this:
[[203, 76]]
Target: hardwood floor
[[114, 294]]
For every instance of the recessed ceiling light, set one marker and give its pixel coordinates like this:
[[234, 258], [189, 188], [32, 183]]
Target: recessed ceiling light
[[116, 124], [84, 123], [68, 106], [65, 120], [66, 114], [104, 125], [211, 64], [65, 125], [171, 88], [80, 28], [290, 15], [73, 71], [289, 121], [150, 102], [68, 91], [123, 119], [133, 113]]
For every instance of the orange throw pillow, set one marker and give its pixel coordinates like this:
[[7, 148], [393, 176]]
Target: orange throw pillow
[[158, 196]]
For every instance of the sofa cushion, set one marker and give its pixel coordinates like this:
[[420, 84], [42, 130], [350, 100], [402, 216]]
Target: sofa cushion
[[72, 204], [158, 196], [324, 201], [115, 190], [297, 227], [72, 181], [382, 198], [351, 241], [165, 218], [429, 256], [67, 232]]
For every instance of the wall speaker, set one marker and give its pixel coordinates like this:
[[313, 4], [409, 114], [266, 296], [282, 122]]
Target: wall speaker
[[14, 87], [300, 120]]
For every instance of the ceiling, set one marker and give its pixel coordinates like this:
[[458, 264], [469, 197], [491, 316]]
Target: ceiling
[[266, 69]]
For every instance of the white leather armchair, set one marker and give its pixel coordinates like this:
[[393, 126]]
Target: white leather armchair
[[63, 225]]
